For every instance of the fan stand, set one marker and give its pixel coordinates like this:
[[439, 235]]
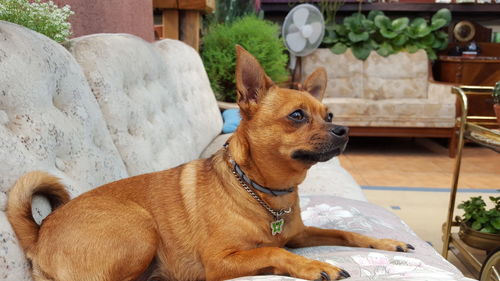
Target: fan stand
[[297, 74]]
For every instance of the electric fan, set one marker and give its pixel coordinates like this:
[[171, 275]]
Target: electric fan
[[303, 31]]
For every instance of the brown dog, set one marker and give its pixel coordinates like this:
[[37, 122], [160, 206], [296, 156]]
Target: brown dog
[[210, 219]]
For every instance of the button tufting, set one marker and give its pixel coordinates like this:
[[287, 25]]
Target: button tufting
[[3, 201], [151, 117], [60, 164], [4, 118], [97, 140], [54, 102]]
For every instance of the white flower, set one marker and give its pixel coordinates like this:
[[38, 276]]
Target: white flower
[[43, 17], [322, 214], [372, 259], [380, 266]]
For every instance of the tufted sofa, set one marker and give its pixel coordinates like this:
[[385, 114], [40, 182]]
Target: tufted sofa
[[110, 106], [391, 96]]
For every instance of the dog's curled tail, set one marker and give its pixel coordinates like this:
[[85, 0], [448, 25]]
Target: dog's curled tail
[[19, 204]]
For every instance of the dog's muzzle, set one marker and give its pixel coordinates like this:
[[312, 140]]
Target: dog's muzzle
[[333, 144]]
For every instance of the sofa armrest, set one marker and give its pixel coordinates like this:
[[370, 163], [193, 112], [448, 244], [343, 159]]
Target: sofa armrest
[[440, 93], [438, 90]]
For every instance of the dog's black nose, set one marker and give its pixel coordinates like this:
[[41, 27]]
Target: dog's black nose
[[340, 131]]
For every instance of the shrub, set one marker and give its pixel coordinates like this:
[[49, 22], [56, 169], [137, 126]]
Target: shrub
[[257, 36], [42, 17]]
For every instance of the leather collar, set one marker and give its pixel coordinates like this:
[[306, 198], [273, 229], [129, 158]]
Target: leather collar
[[254, 185]]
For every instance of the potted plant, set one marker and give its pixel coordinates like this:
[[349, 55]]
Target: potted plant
[[479, 226], [385, 36], [258, 36], [41, 16], [496, 101]]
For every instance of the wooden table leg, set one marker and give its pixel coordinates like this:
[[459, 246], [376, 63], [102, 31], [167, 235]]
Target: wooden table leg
[[190, 28], [171, 24]]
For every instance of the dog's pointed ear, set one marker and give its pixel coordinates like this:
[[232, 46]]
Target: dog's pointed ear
[[252, 82], [315, 84]]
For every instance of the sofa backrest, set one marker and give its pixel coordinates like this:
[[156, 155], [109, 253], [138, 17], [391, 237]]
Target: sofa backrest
[[156, 99], [398, 76], [49, 120], [185, 69], [401, 75], [345, 72]]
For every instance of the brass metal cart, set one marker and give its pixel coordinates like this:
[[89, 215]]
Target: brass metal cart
[[472, 128]]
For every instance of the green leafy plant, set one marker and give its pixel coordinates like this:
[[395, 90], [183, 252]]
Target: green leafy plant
[[478, 217], [257, 36], [377, 32], [43, 17]]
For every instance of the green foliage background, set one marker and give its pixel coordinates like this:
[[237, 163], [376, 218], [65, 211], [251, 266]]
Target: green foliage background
[[41, 16], [257, 36], [385, 36]]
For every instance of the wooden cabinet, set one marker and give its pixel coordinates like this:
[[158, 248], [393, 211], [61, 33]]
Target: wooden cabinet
[[482, 70]]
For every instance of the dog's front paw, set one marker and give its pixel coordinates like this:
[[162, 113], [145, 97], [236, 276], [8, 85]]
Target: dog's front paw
[[326, 277], [319, 271], [391, 245]]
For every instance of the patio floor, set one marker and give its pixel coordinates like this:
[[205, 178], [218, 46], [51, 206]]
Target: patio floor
[[412, 177]]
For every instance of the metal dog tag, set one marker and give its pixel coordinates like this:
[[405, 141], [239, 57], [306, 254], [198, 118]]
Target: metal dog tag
[[277, 226]]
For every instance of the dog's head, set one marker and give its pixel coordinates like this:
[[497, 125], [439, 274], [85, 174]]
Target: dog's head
[[291, 125]]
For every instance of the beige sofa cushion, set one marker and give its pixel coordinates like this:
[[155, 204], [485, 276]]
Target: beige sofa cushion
[[398, 76], [159, 107], [49, 120], [345, 72], [407, 112]]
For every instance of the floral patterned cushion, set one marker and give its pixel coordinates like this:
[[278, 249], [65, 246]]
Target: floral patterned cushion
[[423, 264]]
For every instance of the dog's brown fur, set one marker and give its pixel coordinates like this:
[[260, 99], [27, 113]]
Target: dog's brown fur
[[195, 221]]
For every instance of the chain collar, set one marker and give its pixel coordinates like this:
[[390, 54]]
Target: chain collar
[[249, 182], [276, 213]]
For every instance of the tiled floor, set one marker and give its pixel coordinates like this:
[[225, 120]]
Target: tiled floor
[[383, 163], [418, 163]]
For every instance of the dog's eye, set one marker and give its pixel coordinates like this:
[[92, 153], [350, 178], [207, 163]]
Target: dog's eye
[[297, 115], [329, 117]]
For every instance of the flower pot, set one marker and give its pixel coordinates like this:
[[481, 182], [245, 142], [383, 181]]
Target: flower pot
[[477, 239], [497, 112]]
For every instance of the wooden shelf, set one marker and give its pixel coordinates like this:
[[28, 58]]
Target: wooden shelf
[[283, 6], [478, 59]]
